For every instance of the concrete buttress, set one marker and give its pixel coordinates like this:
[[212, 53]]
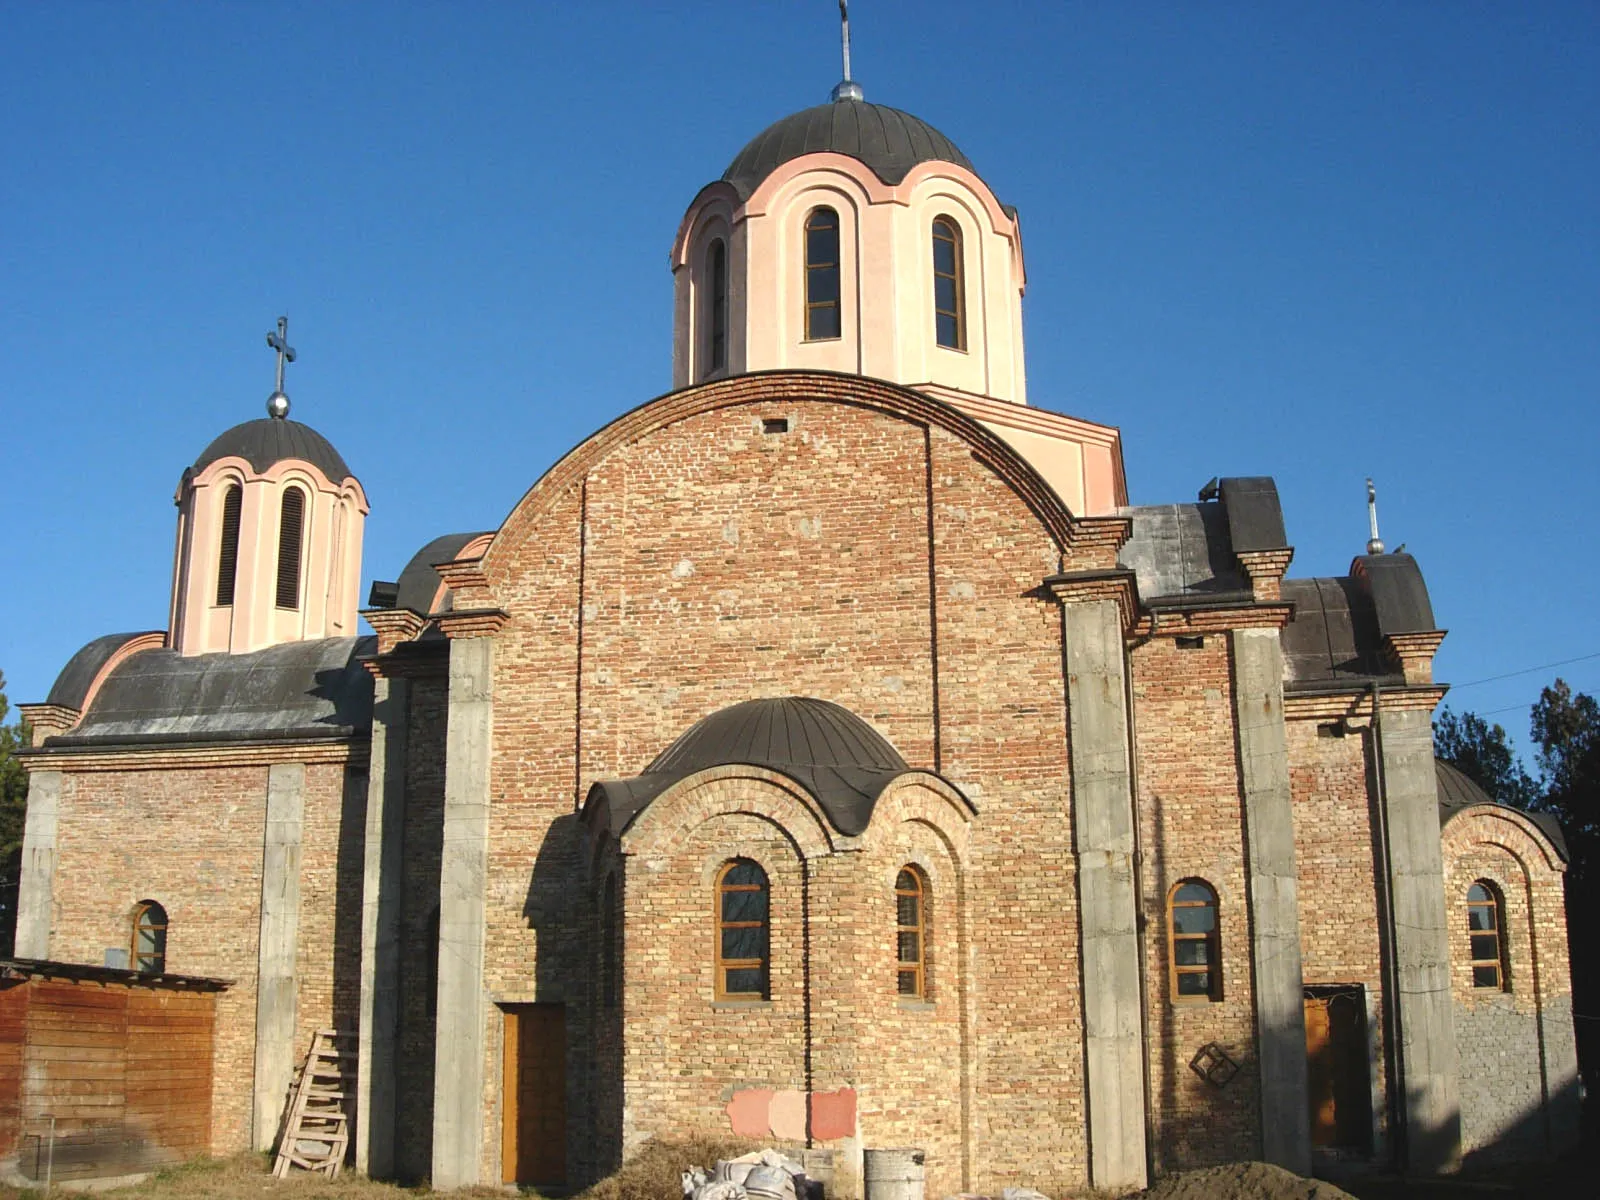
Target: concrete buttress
[[280, 926], [36, 897]]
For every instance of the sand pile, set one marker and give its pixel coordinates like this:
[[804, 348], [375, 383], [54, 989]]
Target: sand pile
[[1243, 1181]]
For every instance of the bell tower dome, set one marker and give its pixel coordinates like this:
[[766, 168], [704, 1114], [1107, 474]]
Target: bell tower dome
[[852, 237], [270, 521]]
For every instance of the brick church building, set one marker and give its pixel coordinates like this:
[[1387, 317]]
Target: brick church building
[[825, 752]]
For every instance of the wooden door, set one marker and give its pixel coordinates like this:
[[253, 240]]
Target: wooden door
[[1337, 1072], [534, 1132]]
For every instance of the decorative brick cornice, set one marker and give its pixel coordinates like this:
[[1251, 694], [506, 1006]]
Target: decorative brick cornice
[[1177, 622], [462, 574], [472, 622], [1357, 703], [200, 755], [1413, 653], [1266, 569], [1096, 540], [1086, 587], [47, 720], [394, 625]]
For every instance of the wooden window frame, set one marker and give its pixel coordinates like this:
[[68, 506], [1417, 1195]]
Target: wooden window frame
[[914, 968], [716, 308], [1499, 964], [813, 306], [762, 964], [951, 235], [291, 552], [158, 959], [1213, 941], [228, 545]]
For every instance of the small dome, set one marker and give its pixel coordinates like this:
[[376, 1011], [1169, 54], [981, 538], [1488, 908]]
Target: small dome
[[271, 440], [889, 141], [795, 731]]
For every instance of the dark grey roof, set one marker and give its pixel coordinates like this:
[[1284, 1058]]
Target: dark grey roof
[[419, 581], [889, 141], [72, 685], [1255, 517], [1458, 790], [296, 690], [269, 440], [1399, 595], [828, 750], [1182, 551], [1333, 637]]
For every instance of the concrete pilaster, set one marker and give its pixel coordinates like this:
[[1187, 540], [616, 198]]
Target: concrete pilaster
[[380, 930], [1274, 905], [280, 927], [1421, 943], [36, 892], [1102, 802], [459, 1040]]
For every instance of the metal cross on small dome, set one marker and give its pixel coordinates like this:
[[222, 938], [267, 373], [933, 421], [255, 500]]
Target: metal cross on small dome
[[278, 402], [847, 88]]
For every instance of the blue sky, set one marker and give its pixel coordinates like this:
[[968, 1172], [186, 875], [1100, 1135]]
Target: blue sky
[[1316, 242]]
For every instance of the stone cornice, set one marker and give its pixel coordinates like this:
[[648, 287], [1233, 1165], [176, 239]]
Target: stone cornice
[[472, 622], [76, 759]]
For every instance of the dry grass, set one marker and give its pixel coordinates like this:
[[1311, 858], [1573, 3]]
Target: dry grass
[[656, 1172]]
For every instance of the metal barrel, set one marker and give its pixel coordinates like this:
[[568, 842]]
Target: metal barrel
[[894, 1174]]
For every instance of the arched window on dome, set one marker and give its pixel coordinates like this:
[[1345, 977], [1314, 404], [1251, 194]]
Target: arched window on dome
[[228, 551], [1194, 942], [743, 943], [291, 534], [149, 952], [1485, 909], [949, 288], [822, 275], [716, 317], [911, 933]]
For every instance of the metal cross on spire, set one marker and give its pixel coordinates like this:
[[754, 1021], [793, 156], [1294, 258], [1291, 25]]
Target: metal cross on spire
[[847, 89], [278, 402]]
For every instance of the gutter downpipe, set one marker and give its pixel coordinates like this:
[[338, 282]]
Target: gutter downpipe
[[1389, 974]]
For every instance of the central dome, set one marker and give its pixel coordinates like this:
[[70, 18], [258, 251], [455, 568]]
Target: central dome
[[889, 141]]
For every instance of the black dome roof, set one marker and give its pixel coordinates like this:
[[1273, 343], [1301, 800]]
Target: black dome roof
[[270, 440], [889, 141]]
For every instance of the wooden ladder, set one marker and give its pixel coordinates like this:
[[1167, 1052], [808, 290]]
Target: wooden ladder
[[316, 1128]]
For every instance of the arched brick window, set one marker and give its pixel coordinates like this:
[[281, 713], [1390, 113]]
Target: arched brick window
[[822, 275], [1485, 925], [911, 933], [949, 288], [149, 951], [743, 941], [717, 308], [1194, 942], [228, 551], [291, 533]]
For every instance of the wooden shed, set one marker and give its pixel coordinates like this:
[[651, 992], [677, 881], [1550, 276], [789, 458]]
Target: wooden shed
[[121, 1061]]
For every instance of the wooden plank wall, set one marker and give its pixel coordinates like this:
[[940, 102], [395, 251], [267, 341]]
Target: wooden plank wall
[[125, 1071]]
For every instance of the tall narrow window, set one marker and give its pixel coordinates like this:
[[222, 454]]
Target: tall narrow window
[[949, 299], [717, 307], [911, 933], [822, 274], [610, 964], [291, 531], [1194, 943], [1483, 930], [228, 552], [149, 956], [742, 941]]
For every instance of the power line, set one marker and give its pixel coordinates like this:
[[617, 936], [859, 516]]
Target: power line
[[1456, 687]]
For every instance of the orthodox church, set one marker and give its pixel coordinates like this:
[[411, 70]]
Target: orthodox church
[[824, 752]]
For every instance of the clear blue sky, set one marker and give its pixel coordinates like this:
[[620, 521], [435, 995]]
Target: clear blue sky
[[1316, 242]]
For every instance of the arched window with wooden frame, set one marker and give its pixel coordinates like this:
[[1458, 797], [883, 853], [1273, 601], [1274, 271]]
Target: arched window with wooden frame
[[716, 308], [610, 950], [949, 286], [822, 275], [743, 931], [911, 933], [1194, 942], [228, 549], [1486, 936], [291, 536], [148, 954]]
